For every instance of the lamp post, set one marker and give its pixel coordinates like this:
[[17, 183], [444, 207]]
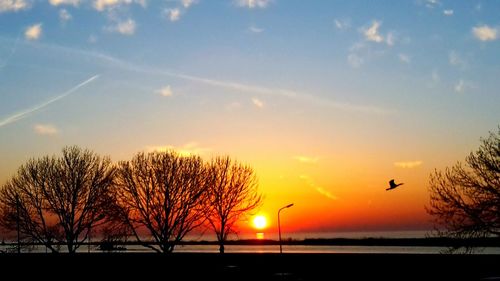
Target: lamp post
[[279, 226]]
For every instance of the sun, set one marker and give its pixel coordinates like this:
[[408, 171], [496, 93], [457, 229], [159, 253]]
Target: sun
[[260, 222]]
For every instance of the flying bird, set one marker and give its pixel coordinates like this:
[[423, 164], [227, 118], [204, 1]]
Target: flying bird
[[393, 185]]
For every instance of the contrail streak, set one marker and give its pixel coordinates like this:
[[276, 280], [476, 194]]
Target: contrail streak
[[25, 113], [240, 87]]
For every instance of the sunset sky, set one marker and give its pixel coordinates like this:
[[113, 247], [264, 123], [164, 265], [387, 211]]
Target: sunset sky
[[326, 100]]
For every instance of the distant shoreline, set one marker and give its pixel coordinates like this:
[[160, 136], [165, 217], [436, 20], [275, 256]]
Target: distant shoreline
[[416, 242]]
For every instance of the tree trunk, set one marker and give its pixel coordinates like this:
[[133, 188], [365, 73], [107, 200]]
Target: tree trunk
[[221, 247]]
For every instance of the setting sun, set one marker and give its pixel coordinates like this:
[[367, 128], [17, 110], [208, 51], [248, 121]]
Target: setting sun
[[260, 222]]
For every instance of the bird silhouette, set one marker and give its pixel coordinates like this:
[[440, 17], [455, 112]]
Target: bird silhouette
[[393, 185]]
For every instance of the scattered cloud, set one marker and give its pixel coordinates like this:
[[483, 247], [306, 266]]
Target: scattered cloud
[[462, 86], [33, 32], [485, 33], [306, 159], [64, 2], [255, 29], [258, 103], [13, 5], [355, 60], [165, 91], [123, 27], [64, 15], [408, 164], [319, 189], [404, 58], [188, 149], [456, 60], [432, 3], [371, 33], [188, 3], [342, 24], [448, 12], [251, 4], [172, 14], [45, 129], [102, 5]]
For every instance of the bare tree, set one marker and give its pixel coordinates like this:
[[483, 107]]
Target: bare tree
[[465, 199], [232, 194], [58, 200], [162, 193]]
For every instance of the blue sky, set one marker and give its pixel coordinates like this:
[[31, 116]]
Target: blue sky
[[333, 92]]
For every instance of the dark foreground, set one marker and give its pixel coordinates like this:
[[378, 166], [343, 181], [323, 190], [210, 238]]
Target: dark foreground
[[203, 266]]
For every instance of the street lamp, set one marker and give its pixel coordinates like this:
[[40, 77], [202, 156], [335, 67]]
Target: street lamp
[[279, 226]]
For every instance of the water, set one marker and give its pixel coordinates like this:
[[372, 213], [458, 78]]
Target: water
[[302, 248], [307, 235]]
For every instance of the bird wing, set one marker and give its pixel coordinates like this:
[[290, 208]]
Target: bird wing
[[391, 182]]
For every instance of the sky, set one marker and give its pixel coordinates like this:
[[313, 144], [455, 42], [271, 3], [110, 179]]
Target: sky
[[326, 100]]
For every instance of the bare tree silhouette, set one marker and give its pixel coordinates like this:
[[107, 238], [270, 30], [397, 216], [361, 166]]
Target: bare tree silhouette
[[232, 193], [55, 200], [465, 199], [162, 193]]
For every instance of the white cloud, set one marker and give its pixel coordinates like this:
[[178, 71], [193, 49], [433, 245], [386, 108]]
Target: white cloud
[[319, 189], [456, 60], [188, 3], [354, 60], [432, 3], [33, 32], [173, 14], [13, 5], [165, 91], [390, 39], [306, 159], [102, 5], [253, 3], [123, 27], [342, 24], [485, 33], [372, 34], [190, 148], [448, 12], [64, 15], [45, 129], [255, 29], [462, 86], [64, 2], [408, 164], [404, 58], [257, 102]]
